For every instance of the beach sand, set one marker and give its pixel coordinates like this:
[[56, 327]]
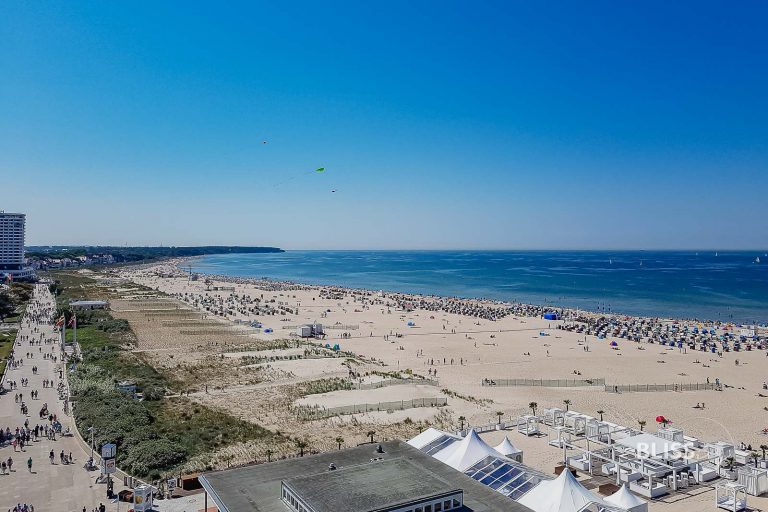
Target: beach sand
[[460, 352]]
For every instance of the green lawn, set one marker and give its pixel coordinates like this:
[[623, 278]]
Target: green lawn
[[6, 347]]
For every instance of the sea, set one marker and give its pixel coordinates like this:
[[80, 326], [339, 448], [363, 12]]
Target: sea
[[725, 286]]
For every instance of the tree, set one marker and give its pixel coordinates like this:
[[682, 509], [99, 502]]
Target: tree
[[533, 406], [764, 447], [339, 441], [301, 445], [462, 419], [567, 404], [7, 307], [499, 414], [370, 434], [601, 412], [21, 292], [642, 424]]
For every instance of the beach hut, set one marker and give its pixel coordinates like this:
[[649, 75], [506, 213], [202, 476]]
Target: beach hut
[[507, 449], [624, 499], [554, 417], [528, 424], [731, 496], [598, 430], [575, 422], [754, 480]]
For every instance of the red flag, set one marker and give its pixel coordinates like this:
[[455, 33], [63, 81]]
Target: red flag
[[72, 321], [60, 321]]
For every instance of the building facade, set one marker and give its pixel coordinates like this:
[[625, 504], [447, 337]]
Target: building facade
[[12, 226]]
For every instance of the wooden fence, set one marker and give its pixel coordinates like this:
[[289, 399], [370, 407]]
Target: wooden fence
[[316, 413], [638, 388], [544, 383]]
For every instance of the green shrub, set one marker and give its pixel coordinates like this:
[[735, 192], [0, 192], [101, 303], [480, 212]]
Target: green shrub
[[114, 325]]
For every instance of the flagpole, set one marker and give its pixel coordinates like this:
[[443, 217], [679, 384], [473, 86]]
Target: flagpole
[[74, 330]]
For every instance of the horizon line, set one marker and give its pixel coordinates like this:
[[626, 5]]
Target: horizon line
[[401, 249]]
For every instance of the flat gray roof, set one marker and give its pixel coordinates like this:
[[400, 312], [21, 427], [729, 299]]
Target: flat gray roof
[[89, 303], [368, 487], [257, 488]]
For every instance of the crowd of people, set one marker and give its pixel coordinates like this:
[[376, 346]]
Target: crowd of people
[[18, 438]]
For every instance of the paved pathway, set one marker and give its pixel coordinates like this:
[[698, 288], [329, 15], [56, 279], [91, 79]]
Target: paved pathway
[[64, 487]]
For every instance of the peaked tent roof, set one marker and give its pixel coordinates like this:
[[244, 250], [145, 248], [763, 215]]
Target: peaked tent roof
[[426, 437], [563, 494], [467, 452], [507, 448], [624, 498]]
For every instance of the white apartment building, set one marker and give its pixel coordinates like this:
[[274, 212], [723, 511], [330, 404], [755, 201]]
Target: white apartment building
[[12, 227]]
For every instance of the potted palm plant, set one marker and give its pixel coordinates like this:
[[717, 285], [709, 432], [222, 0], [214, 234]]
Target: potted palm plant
[[726, 469]]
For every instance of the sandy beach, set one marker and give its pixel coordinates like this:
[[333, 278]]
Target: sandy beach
[[200, 331]]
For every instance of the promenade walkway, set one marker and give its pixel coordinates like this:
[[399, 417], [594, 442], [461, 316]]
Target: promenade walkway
[[48, 487]]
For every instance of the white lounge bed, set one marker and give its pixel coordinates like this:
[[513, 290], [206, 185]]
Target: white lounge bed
[[641, 487], [580, 462]]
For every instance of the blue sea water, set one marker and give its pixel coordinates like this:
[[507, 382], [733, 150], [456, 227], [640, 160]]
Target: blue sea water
[[724, 286]]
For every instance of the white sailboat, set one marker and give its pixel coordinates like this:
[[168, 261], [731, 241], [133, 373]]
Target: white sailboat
[[757, 260]]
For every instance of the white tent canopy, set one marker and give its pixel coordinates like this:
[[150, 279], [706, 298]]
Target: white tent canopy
[[467, 452], [623, 498], [563, 494], [507, 449], [426, 437]]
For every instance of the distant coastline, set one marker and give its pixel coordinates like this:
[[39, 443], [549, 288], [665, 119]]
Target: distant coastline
[[51, 257]]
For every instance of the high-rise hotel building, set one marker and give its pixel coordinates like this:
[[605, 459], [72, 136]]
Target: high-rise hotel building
[[12, 246]]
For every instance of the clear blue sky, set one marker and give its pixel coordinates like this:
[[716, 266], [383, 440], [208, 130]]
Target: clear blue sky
[[441, 124]]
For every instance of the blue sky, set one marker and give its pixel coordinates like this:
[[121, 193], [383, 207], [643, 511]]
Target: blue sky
[[441, 124]]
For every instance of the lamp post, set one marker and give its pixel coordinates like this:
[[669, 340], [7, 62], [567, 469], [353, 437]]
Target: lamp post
[[91, 430]]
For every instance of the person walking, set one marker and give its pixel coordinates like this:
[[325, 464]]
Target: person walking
[[29, 464]]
